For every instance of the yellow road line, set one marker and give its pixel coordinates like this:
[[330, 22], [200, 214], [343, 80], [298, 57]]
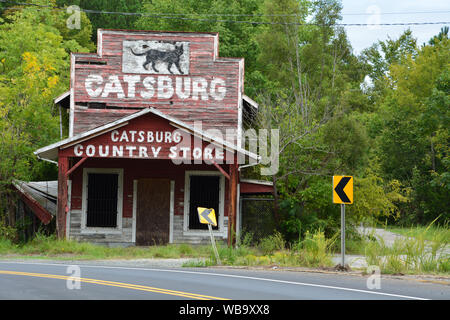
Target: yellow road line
[[115, 284]]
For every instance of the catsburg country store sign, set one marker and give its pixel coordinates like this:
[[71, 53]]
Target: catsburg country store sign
[[149, 144]]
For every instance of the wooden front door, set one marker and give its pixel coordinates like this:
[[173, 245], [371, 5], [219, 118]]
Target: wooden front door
[[153, 211]]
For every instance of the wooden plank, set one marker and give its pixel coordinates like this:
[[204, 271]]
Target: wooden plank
[[221, 169], [36, 207], [80, 162], [89, 119], [255, 188]]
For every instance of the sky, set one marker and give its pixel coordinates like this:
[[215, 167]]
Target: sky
[[380, 11]]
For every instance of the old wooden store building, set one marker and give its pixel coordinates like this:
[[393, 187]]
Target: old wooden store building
[[155, 129]]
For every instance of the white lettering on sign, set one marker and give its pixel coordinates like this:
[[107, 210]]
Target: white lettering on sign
[[145, 136], [131, 80], [131, 146], [160, 87], [165, 88], [145, 152], [90, 81], [113, 86], [78, 150]]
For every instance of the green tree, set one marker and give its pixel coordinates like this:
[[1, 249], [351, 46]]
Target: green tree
[[34, 68], [314, 102], [413, 144], [380, 56]]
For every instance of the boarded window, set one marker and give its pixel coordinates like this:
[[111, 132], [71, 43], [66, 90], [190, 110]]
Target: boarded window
[[204, 192], [102, 200]]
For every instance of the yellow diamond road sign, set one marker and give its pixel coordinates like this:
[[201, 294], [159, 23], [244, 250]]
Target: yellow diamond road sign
[[343, 189], [207, 216]]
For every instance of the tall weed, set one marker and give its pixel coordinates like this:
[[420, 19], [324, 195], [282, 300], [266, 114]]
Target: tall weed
[[412, 253], [315, 249]]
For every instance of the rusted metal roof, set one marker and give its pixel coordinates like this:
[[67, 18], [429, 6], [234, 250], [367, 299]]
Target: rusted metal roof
[[40, 196]]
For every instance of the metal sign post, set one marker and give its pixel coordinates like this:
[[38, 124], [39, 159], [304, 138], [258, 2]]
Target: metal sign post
[[343, 193], [343, 235], [213, 243]]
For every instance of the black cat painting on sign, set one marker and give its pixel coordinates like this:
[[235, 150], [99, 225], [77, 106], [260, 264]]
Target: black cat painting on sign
[[155, 57]]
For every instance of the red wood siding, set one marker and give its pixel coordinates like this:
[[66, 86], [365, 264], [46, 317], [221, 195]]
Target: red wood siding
[[87, 119]]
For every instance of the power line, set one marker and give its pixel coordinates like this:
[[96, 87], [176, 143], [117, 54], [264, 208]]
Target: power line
[[390, 13], [232, 14], [176, 16]]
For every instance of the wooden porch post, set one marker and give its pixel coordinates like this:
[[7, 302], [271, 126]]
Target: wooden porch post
[[233, 204], [63, 167]]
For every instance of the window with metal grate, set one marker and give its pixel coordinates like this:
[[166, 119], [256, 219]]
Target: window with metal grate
[[102, 200], [204, 192]]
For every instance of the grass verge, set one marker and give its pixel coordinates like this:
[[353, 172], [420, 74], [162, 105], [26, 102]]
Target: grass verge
[[418, 253], [50, 247], [313, 251]]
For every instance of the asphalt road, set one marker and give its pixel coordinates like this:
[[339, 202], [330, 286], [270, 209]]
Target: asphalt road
[[42, 280]]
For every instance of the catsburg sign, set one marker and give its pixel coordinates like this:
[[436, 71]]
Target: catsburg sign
[[161, 59], [149, 144], [159, 87]]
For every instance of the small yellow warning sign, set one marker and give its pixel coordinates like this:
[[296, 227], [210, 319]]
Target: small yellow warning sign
[[207, 216]]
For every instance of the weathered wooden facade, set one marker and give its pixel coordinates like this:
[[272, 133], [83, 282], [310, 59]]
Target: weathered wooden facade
[[154, 132]]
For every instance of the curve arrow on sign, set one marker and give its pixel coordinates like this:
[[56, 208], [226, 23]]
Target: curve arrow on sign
[[340, 189], [205, 215]]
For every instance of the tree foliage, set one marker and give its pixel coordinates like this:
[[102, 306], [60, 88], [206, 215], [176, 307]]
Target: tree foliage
[[34, 68], [413, 144]]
